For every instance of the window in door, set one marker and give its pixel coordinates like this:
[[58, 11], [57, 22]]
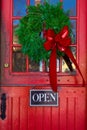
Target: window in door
[[22, 64], [19, 60]]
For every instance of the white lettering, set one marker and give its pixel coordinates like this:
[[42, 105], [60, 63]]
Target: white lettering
[[47, 97], [44, 97], [41, 97], [35, 97], [52, 97]]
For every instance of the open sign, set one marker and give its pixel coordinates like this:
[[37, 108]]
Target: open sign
[[43, 98]]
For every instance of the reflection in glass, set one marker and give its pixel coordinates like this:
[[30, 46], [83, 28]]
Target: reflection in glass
[[19, 60], [54, 1], [57, 66], [50, 1], [33, 66], [73, 36], [71, 6], [67, 65], [15, 25], [32, 2], [19, 7]]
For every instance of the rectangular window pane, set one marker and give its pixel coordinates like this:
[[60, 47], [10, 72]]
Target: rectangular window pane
[[19, 7], [32, 2], [15, 25], [67, 65], [73, 36], [70, 5], [19, 60], [33, 66], [53, 1], [57, 66], [50, 1]]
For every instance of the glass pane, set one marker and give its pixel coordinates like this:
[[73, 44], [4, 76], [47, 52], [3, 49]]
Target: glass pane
[[19, 7], [57, 66], [19, 60], [67, 65], [15, 25], [33, 66], [50, 1], [53, 1], [73, 36], [70, 5], [32, 2]]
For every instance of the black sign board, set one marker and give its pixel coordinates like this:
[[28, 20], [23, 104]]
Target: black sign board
[[43, 98]]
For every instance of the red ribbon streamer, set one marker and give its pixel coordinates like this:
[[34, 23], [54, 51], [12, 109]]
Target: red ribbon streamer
[[60, 41]]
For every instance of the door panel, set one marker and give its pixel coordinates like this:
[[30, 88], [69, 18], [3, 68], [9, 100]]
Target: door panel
[[69, 115]]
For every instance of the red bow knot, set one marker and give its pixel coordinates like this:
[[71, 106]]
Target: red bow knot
[[60, 41]]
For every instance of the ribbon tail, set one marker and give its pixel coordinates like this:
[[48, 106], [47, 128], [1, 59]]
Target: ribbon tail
[[70, 55], [52, 70]]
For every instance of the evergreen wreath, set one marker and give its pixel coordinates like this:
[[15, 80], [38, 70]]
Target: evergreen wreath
[[30, 29]]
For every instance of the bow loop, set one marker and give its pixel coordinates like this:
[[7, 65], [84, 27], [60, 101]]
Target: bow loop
[[49, 35], [62, 38], [64, 32]]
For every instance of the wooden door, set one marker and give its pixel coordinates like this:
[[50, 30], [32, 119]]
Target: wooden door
[[19, 75]]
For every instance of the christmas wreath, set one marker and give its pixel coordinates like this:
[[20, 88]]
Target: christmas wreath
[[45, 31], [31, 29]]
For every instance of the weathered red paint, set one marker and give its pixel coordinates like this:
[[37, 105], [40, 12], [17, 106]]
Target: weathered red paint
[[69, 115], [72, 110]]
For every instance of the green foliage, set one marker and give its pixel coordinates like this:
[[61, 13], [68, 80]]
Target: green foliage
[[31, 26]]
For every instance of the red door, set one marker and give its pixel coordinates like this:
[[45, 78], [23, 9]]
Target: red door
[[19, 75]]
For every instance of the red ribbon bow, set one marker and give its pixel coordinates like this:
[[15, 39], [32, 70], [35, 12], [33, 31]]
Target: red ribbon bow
[[60, 41]]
